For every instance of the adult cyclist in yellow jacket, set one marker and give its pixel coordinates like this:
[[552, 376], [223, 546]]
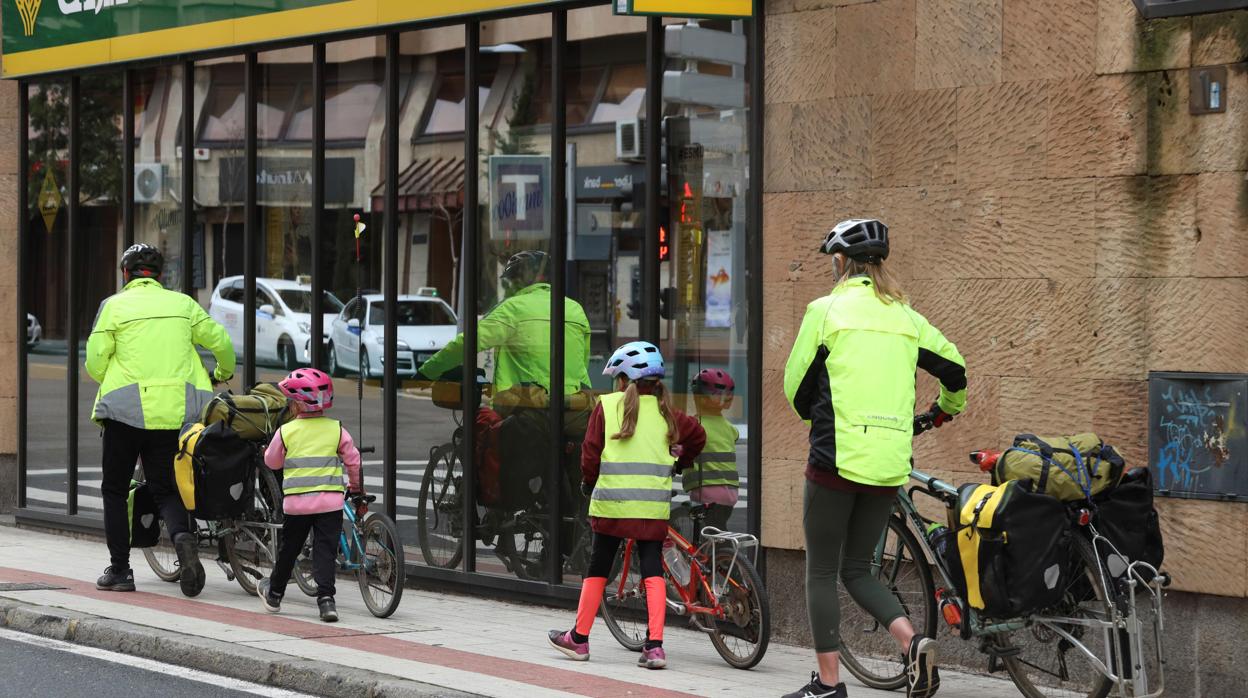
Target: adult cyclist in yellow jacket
[[851, 378], [142, 353], [518, 330]]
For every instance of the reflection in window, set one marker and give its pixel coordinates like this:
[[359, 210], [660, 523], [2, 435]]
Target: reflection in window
[[413, 314], [446, 115], [349, 110], [581, 86], [624, 95], [300, 301]]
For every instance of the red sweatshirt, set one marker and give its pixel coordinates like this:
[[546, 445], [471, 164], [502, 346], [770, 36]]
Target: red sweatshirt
[[690, 441]]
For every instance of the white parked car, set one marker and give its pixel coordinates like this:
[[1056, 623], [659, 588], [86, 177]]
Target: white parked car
[[34, 331], [424, 324], [283, 316]]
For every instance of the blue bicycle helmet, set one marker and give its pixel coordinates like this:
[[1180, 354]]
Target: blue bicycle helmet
[[636, 360]]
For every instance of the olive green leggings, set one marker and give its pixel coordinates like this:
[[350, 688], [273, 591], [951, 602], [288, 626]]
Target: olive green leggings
[[842, 531]]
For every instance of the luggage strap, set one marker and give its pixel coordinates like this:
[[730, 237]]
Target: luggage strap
[[1078, 477]]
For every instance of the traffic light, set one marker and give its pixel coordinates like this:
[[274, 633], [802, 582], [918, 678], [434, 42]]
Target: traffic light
[[667, 303]]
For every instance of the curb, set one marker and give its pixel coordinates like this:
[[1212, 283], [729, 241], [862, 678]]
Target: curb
[[213, 656]]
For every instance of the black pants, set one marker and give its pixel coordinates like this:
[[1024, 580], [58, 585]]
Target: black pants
[[606, 547], [325, 530], [123, 446]]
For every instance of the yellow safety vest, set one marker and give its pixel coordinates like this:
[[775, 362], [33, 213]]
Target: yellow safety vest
[[717, 464], [635, 478], [312, 462]]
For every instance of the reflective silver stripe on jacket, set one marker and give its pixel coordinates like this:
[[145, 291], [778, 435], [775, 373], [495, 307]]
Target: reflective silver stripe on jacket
[[196, 399], [123, 405], [631, 495], [721, 457], [334, 481], [314, 462], [655, 469]]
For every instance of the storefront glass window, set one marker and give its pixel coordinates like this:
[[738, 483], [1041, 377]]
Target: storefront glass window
[[158, 165], [624, 94], [100, 240], [47, 304], [444, 113]]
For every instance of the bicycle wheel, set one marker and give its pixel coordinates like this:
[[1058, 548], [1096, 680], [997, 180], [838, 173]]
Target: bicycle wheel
[[302, 572], [381, 572], [867, 649], [440, 511], [252, 546], [741, 638], [1041, 662], [624, 601], [162, 558]]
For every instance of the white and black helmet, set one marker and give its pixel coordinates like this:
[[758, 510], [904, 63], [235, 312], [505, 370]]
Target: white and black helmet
[[860, 239]]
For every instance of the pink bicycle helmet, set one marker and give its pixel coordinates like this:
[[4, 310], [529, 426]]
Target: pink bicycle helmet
[[713, 381], [313, 388]]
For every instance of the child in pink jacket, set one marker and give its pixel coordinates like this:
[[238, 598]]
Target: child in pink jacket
[[314, 454]]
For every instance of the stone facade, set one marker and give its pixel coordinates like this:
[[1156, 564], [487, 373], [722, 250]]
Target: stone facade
[[9, 183], [1056, 211]]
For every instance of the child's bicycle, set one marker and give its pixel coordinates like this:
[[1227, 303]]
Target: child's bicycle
[[713, 582], [1105, 635], [369, 546]]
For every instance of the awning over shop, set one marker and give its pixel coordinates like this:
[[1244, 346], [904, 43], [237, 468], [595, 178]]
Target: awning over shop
[[426, 185]]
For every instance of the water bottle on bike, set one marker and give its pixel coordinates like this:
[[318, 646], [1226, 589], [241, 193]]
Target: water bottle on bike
[[677, 564]]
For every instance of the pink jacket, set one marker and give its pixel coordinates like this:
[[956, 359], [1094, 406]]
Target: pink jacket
[[317, 502]]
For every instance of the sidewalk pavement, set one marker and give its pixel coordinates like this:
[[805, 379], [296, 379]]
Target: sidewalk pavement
[[457, 644]]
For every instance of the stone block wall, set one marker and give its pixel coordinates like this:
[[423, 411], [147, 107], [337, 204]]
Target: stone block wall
[[9, 336], [1055, 210]]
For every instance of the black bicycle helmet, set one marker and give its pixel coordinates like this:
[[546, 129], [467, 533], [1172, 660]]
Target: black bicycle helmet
[[142, 260], [525, 268], [860, 239]]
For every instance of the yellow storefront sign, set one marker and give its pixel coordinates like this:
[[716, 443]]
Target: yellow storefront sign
[[686, 8]]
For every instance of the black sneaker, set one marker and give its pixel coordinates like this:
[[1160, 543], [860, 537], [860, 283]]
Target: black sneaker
[[271, 603], [116, 581], [192, 578], [816, 689], [923, 677], [329, 612]]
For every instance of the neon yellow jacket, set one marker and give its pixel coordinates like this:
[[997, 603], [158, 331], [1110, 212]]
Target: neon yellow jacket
[[142, 353], [850, 376], [519, 329], [312, 462]]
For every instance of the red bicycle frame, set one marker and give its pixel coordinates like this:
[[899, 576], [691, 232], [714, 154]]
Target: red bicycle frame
[[688, 593]]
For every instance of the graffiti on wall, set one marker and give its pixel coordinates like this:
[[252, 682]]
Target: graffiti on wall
[[1197, 434]]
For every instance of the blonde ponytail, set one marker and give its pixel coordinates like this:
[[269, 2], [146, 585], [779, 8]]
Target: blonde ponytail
[[632, 406], [885, 284]]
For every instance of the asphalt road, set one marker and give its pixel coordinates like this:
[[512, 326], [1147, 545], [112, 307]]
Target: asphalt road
[[38, 667]]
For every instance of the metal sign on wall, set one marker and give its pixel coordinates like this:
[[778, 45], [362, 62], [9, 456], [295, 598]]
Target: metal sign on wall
[[1198, 434], [49, 35], [685, 8], [287, 180], [520, 197]]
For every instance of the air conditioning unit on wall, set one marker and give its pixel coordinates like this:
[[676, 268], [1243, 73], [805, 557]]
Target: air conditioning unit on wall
[[630, 140], [149, 183]]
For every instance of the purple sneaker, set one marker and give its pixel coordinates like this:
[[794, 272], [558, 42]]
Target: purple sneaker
[[562, 641], [654, 658]]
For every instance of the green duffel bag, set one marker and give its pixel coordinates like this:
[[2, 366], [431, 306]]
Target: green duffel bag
[[1069, 468], [254, 416]]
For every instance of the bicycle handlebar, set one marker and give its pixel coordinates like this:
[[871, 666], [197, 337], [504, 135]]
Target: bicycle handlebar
[[935, 487], [368, 449]]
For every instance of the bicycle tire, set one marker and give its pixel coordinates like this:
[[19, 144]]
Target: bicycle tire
[[447, 501], [302, 571], [621, 616], [759, 602], [1098, 685], [254, 561], [378, 527], [162, 558], [869, 667]]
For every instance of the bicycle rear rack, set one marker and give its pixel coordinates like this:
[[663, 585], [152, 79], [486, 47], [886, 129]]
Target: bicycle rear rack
[[1125, 633], [741, 544]]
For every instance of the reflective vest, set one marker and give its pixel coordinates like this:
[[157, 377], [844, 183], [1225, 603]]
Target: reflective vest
[[635, 477], [717, 464], [142, 353], [312, 462]]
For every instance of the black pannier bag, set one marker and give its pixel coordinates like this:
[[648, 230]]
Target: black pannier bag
[[1013, 548], [1126, 516], [214, 471], [144, 516]]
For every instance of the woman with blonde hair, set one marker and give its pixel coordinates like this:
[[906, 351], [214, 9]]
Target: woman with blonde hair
[[850, 377], [635, 441]]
